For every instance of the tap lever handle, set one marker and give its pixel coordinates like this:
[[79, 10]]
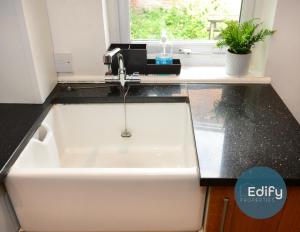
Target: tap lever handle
[[108, 56]]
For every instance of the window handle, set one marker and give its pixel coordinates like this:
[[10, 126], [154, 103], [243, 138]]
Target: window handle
[[224, 213], [185, 51]]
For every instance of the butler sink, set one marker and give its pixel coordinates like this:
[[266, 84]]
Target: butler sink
[[78, 174]]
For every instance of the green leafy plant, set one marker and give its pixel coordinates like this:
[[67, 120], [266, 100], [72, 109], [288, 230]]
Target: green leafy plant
[[240, 38]]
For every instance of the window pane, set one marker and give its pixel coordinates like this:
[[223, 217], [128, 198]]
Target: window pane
[[182, 19]]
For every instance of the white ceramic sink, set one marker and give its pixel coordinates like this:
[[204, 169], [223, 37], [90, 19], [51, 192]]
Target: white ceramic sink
[[78, 174]]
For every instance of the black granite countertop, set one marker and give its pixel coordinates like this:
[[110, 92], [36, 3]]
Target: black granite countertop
[[236, 126], [240, 126]]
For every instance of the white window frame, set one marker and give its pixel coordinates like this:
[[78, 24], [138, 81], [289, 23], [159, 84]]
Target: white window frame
[[203, 52]]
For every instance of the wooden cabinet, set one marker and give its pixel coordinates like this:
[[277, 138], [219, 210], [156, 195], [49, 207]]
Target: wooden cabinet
[[222, 212]]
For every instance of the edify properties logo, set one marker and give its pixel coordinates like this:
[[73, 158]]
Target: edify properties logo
[[260, 192], [250, 193]]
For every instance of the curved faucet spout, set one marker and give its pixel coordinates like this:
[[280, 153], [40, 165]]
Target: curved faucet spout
[[122, 70], [120, 61]]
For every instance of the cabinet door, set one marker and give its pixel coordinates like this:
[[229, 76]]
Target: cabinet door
[[223, 215], [8, 221], [290, 220], [220, 208]]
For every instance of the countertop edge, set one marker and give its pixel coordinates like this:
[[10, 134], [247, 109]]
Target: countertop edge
[[221, 182]]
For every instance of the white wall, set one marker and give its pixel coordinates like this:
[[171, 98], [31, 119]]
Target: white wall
[[78, 28], [16, 68], [112, 8], [38, 30], [284, 57], [264, 10], [26, 71]]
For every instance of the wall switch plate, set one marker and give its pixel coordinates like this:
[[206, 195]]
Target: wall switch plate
[[63, 62]]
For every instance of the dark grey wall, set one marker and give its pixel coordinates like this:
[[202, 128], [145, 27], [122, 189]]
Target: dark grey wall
[[8, 221]]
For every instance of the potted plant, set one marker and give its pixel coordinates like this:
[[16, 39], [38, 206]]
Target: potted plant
[[240, 38]]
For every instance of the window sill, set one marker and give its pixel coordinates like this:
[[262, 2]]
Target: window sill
[[189, 74]]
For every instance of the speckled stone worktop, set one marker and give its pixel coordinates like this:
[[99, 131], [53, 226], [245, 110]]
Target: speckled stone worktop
[[236, 126]]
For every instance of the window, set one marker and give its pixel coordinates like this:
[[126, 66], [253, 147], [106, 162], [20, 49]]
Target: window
[[192, 25], [181, 19]]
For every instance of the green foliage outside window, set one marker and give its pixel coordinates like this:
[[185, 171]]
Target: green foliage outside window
[[181, 23]]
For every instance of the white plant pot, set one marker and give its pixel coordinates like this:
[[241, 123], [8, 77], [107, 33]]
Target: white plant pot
[[237, 64]]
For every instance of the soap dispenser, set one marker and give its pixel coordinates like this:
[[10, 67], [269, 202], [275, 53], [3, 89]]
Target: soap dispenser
[[165, 57]]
